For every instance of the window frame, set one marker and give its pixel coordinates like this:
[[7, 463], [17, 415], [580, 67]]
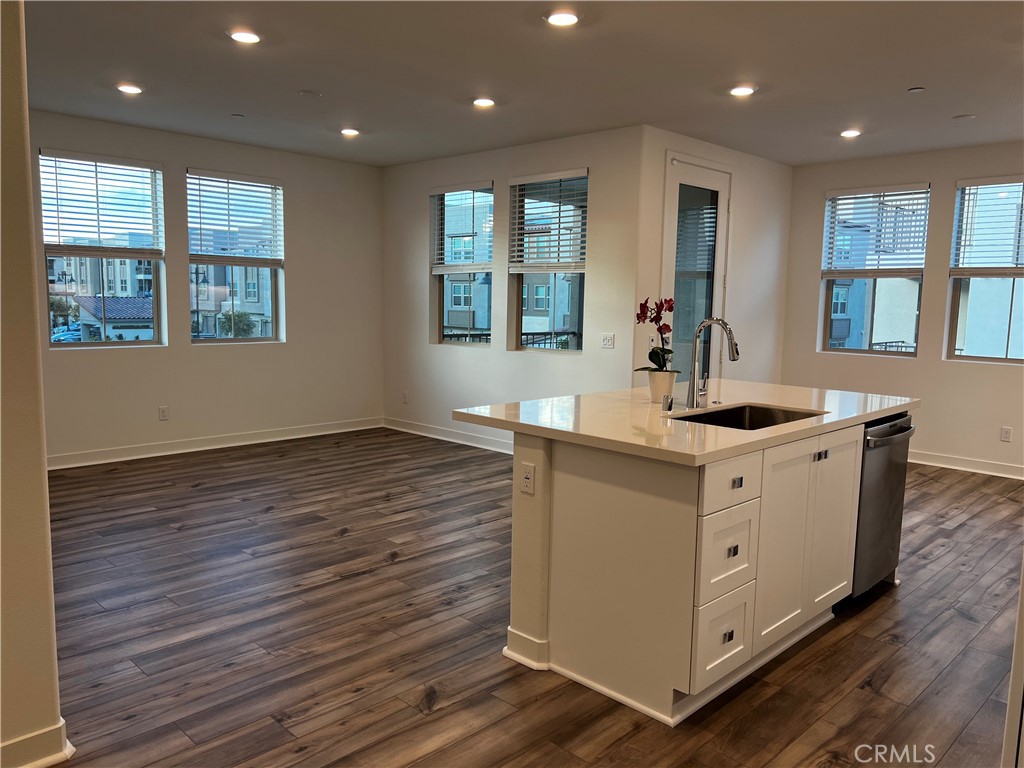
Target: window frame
[[532, 253], [830, 276], [108, 257], [958, 274], [208, 262], [442, 243]]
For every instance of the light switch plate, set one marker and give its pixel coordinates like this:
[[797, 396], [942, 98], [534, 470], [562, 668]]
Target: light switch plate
[[607, 341]]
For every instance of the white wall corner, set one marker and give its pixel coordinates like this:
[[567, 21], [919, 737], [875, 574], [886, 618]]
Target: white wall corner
[[39, 749]]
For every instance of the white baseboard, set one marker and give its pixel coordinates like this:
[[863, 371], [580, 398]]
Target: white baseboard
[[40, 749], [968, 465], [451, 435], [124, 453]]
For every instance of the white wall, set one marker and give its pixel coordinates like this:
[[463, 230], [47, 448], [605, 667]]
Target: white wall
[[964, 403], [756, 257], [101, 404], [624, 247], [31, 728], [441, 377]]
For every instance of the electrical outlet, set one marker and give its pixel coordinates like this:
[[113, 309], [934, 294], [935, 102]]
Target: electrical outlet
[[526, 477], [405, 398], [1006, 434], [607, 341], [652, 341], [163, 412]]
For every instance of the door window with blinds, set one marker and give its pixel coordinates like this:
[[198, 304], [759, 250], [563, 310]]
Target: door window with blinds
[[461, 261], [547, 259], [987, 271], [872, 266], [236, 257], [104, 249]]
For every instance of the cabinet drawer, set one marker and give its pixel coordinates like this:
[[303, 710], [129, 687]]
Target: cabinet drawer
[[726, 550], [722, 634], [730, 482]]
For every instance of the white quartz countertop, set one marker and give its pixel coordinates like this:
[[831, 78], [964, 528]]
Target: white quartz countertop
[[628, 422]]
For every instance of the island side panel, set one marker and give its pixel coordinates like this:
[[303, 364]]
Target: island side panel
[[623, 554], [531, 547]]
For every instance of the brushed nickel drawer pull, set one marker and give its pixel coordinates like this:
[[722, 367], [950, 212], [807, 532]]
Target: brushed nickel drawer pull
[[727, 637], [737, 483], [732, 551]]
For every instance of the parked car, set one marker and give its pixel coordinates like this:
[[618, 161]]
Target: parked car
[[66, 336]]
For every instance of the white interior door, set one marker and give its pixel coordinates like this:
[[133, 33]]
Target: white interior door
[[694, 258]]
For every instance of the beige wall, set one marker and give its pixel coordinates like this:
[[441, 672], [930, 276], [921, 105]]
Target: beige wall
[[963, 403], [101, 404], [31, 728]]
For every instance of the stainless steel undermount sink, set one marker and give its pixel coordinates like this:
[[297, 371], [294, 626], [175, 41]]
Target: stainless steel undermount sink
[[748, 416]]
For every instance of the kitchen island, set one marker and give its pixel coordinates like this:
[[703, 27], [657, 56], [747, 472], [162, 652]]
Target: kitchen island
[[659, 561]]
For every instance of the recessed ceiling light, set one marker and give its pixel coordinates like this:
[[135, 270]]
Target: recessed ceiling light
[[483, 102], [916, 89], [129, 88], [244, 36], [349, 132], [743, 90], [964, 117], [562, 18], [851, 133]]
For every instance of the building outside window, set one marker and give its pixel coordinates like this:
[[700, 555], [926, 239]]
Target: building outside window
[[236, 237], [987, 271], [541, 297], [872, 266], [461, 259], [99, 218], [252, 284], [840, 300], [547, 258], [462, 295]]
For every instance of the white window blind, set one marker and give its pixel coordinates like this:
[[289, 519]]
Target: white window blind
[[695, 238], [462, 231], [988, 230], [876, 231], [548, 226], [90, 206], [234, 218]]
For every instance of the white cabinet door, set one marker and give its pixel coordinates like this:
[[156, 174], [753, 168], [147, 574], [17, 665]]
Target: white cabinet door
[[832, 522], [779, 605]]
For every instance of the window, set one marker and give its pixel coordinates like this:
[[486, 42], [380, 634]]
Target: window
[[98, 216], [236, 237], [547, 258], [252, 284], [987, 272], [872, 266], [461, 257], [840, 300], [462, 295]]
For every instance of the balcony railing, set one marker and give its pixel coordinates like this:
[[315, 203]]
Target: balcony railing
[[551, 340], [893, 346]]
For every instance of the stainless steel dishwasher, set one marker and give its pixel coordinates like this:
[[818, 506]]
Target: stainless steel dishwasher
[[883, 484]]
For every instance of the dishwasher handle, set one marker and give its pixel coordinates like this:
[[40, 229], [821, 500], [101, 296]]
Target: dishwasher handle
[[899, 437]]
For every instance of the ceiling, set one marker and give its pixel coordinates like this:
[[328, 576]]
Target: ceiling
[[404, 73]]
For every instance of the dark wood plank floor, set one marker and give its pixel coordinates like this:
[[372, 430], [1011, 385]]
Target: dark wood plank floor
[[342, 601]]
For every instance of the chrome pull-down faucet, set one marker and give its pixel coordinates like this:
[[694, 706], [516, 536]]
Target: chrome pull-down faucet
[[693, 394]]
